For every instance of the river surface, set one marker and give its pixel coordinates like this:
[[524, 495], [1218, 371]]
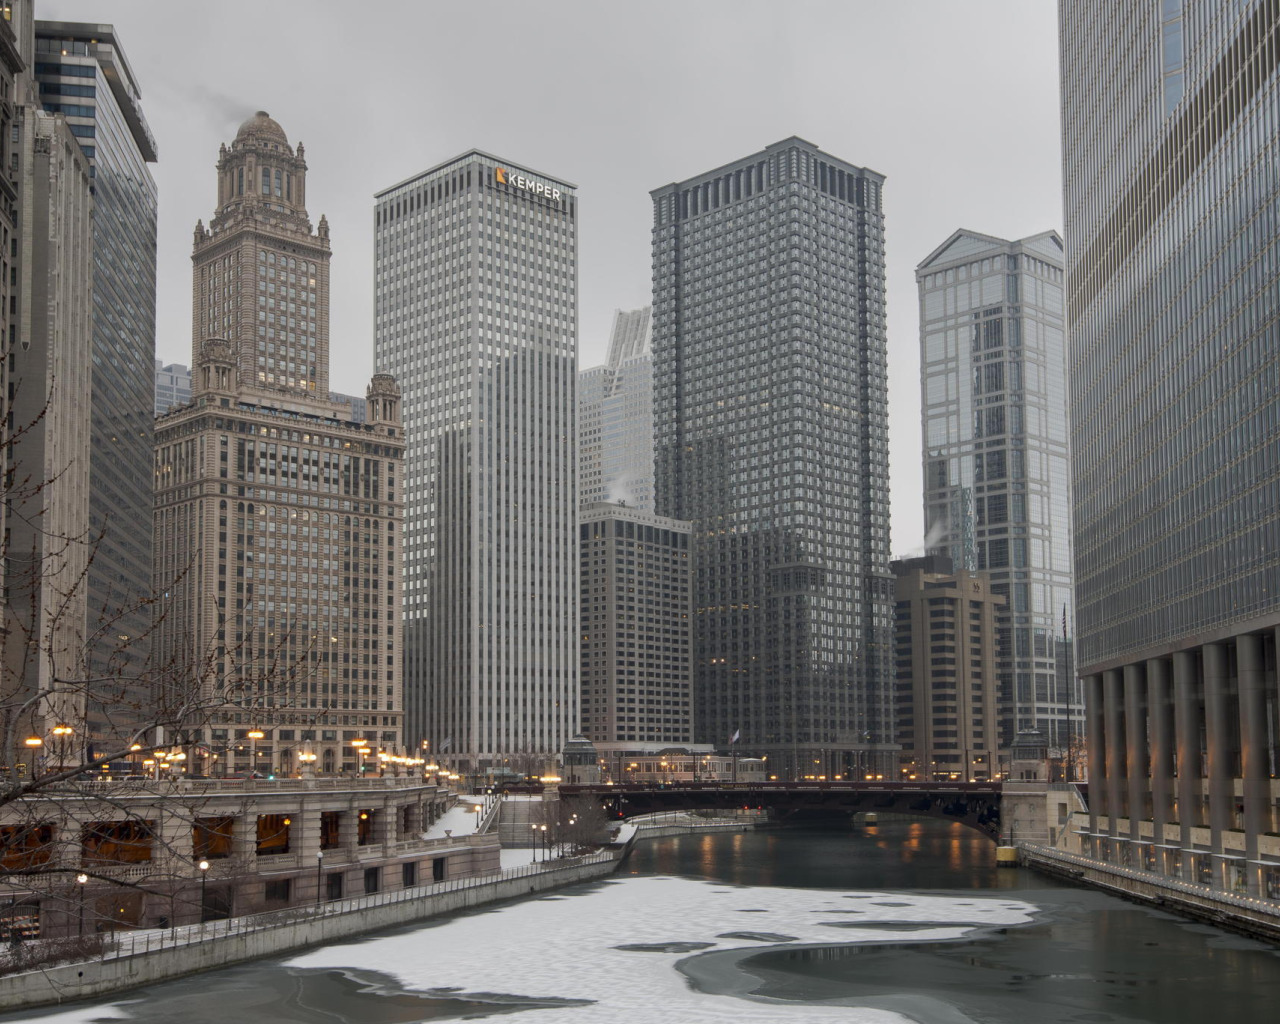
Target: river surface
[[864, 925]]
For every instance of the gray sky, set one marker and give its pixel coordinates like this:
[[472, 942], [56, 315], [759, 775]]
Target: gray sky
[[956, 101]]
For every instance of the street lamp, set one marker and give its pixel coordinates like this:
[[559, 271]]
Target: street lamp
[[204, 875], [62, 731], [546, 850], [319, 866], [254, 735], [81, 880], [33, 743], [478, 809], [535, 842], [360, 745]]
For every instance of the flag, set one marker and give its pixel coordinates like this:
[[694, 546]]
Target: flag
[[445, 745], [734, 738]]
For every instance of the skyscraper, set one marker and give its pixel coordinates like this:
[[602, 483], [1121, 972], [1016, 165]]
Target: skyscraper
[[173, 385], [277, 518], [615, 417], [770, 435], [1171, 123], [476, 314], [994, 427], [635, 627], [83, 75]]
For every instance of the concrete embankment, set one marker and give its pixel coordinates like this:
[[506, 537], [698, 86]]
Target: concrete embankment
[[1247, 915], [663, 825], [143, 958]]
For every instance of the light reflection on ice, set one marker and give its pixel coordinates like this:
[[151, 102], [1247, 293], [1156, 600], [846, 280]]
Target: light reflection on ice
[[566, 948]]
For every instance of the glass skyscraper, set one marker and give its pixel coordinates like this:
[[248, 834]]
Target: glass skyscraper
[[615, 417], [994, 426], [83, 75], [770, 435], [1171, 123], [476, 314]]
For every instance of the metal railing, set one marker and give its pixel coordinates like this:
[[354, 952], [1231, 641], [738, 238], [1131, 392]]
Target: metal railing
[[1208, 893], [152, 940]]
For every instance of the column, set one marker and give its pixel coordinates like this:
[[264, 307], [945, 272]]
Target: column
[[1186, 715], [1135, 721], [1163, 752], [1250, 669], [1095, 738], [1218, 742], [1117, 764]]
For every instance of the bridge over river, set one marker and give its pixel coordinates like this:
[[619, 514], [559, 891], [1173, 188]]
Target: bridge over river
[[976, 804]]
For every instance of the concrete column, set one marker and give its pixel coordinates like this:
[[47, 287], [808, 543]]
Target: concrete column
[[1135, 720], [1186, 715], [1218, 741], [1250, 669], [1095, 738], [1117, 763], [1160, 726]]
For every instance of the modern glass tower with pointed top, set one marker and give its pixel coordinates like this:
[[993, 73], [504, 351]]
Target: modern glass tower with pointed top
[[770, 435], [997, 492], [477, 314]]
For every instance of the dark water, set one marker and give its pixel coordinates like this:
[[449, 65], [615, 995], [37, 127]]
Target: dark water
[[1085, 959]]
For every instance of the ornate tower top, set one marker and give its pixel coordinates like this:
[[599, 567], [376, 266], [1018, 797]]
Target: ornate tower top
[[261, 276], [260, 175]]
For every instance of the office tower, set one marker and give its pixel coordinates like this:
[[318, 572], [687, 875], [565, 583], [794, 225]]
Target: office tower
[[173, 385], [356, 410], [770, 436], [994, 426], [636, 682], [277, 517], [1171, 124], [948, 666], [47, 269], [615, 417], [83, 75], [476, 313]]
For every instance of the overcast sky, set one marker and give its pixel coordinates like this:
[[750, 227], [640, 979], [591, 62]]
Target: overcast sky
[[956, 101]]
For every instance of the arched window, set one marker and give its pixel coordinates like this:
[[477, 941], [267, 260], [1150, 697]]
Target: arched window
[[279, 186], [240, 182], [266, 181]]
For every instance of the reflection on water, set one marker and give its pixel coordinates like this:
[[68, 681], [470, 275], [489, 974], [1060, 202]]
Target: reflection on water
[[1087, 957]]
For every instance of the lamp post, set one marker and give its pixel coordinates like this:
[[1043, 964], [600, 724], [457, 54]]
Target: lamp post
[[546, 850], [319, 868], [81, 880], [254, 735], [62, 731], [478, 809], [534, 844], [360, 745], [33, 743], [204, 875]]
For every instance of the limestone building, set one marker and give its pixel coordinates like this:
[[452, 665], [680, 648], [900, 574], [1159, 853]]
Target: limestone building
[[277, 517], [948, 663]]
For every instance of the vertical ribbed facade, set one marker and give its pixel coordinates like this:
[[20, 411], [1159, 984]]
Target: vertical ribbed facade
[[1171, 123], [997, 493], [84, 76], [770, 435], [476, 314]]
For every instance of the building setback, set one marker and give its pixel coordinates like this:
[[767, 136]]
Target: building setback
[[1171, 123], [997, 494], [83, 75], [278, 519], [770, 436], [635, 626], [948, 662], [476, 314], [615, 417]]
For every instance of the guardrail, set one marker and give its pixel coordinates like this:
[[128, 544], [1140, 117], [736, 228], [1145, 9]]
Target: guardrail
[[127, 944]]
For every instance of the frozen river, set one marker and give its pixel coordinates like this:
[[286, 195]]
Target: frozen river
[[901, 922]]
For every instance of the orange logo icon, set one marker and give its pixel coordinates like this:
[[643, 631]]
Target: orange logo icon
[[501, 173]]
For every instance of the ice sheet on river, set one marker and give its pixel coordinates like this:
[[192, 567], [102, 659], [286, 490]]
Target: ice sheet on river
[[567, 946]]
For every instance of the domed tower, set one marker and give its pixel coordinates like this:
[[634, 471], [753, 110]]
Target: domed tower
[[260, 275]]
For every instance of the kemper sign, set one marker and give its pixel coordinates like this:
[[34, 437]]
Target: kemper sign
[[505, 177]]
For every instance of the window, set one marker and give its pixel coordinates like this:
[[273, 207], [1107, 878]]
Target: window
[[371, 879], [266, 181], [409, 874], [278, 890]]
